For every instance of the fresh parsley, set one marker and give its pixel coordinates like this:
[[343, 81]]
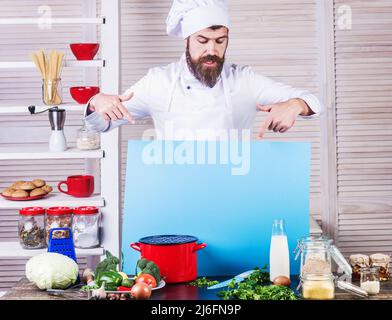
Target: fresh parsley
[[203, 282], [257, 287]]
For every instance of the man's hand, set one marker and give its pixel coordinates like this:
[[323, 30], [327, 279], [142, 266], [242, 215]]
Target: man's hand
[[110, 107], [282, 116]]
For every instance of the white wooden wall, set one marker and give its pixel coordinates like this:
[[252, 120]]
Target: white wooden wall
[[364, 127], [17, 42]]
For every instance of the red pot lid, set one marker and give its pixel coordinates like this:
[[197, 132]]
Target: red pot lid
[[162, 240], [85, 210], [31, 211], [57, 211]]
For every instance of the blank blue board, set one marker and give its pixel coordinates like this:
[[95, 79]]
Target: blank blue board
[[228, 208]]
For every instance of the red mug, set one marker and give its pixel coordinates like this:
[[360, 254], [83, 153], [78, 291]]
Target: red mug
[[80, 186]]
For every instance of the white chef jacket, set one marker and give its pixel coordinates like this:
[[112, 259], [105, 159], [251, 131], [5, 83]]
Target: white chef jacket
[[246, 89]]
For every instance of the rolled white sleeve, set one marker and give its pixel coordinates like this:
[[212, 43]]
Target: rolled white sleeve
[[138, 106], [268, 91]]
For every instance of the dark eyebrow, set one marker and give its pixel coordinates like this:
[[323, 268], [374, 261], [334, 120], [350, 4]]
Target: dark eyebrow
[[205, 38]]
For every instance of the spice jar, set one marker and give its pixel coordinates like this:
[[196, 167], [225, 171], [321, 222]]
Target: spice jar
[[32, 227], [85, 227], [318, 286], [370, 281], [87, 140], [57, 217], [382, 262], [357, 262]]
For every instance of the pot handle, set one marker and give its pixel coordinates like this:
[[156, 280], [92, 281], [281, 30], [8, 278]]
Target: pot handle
[[199, 247], [136, 246]]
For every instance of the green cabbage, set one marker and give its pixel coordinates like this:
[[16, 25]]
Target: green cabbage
[[52, 271]]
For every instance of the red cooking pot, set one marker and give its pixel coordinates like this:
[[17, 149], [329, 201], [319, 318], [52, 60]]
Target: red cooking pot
[[175, 255]]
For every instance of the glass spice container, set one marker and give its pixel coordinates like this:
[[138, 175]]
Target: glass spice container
[[357, 262], [318, 286], [87, 140], [32, 227], [85, 227], [57, 217], [370, 281], [382, 262]]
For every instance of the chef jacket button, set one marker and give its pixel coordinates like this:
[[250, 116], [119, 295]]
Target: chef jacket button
[[188, 87]]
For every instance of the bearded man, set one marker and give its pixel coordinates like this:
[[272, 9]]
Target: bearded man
[[202, 91]]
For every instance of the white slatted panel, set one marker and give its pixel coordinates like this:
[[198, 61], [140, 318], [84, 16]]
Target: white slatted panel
[[277, 38], [364, 127], [23, 87]]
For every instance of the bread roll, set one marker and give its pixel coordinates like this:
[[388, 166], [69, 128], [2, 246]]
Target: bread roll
[[20, 194], [8, 192], [16, 184], [39, 183], [37, 192], [27, 186], [47, 188]]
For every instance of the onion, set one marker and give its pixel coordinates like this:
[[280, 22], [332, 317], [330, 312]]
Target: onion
[[141, 291]]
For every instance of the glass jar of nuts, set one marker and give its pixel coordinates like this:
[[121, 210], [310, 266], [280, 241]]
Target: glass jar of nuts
[[382, 262], [357, 262], [32, 228], [57, 217]]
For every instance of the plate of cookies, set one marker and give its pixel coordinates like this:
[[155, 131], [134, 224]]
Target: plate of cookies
[[27, 190]]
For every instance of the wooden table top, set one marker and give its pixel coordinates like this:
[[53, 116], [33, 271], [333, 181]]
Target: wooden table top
[[24, 290]]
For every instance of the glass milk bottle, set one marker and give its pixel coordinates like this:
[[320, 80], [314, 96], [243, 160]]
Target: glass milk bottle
[[279, 251]]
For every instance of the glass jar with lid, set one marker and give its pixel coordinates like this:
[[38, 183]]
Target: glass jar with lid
[[370, 281], [317, 254], [318, 286], [87, 140], [85, 227], [57, 217], [382, 262], [357, 262], [31, 228]]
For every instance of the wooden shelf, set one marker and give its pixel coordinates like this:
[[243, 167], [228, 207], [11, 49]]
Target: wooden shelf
[[67, 64], [23, 107], [54, 200], [14, 249], [39, 21], [17, 153]]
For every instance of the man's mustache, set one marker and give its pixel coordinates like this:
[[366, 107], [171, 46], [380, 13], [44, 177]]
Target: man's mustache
[[211, 58]]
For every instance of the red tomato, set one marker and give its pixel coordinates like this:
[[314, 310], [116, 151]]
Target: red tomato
[[147, 279]]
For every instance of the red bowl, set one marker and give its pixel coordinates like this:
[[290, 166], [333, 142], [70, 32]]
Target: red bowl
[[84, 51], [83, 94]]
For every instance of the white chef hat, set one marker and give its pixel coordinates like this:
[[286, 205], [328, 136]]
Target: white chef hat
[[189, 16]]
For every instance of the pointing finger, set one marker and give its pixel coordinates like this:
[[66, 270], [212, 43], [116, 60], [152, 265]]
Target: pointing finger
[[264, 127], [125, 112]]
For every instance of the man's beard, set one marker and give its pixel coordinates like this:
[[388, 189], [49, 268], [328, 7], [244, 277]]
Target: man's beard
[[208, 76]]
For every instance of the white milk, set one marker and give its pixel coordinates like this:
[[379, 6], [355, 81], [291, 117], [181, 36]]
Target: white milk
[[279, 257]]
